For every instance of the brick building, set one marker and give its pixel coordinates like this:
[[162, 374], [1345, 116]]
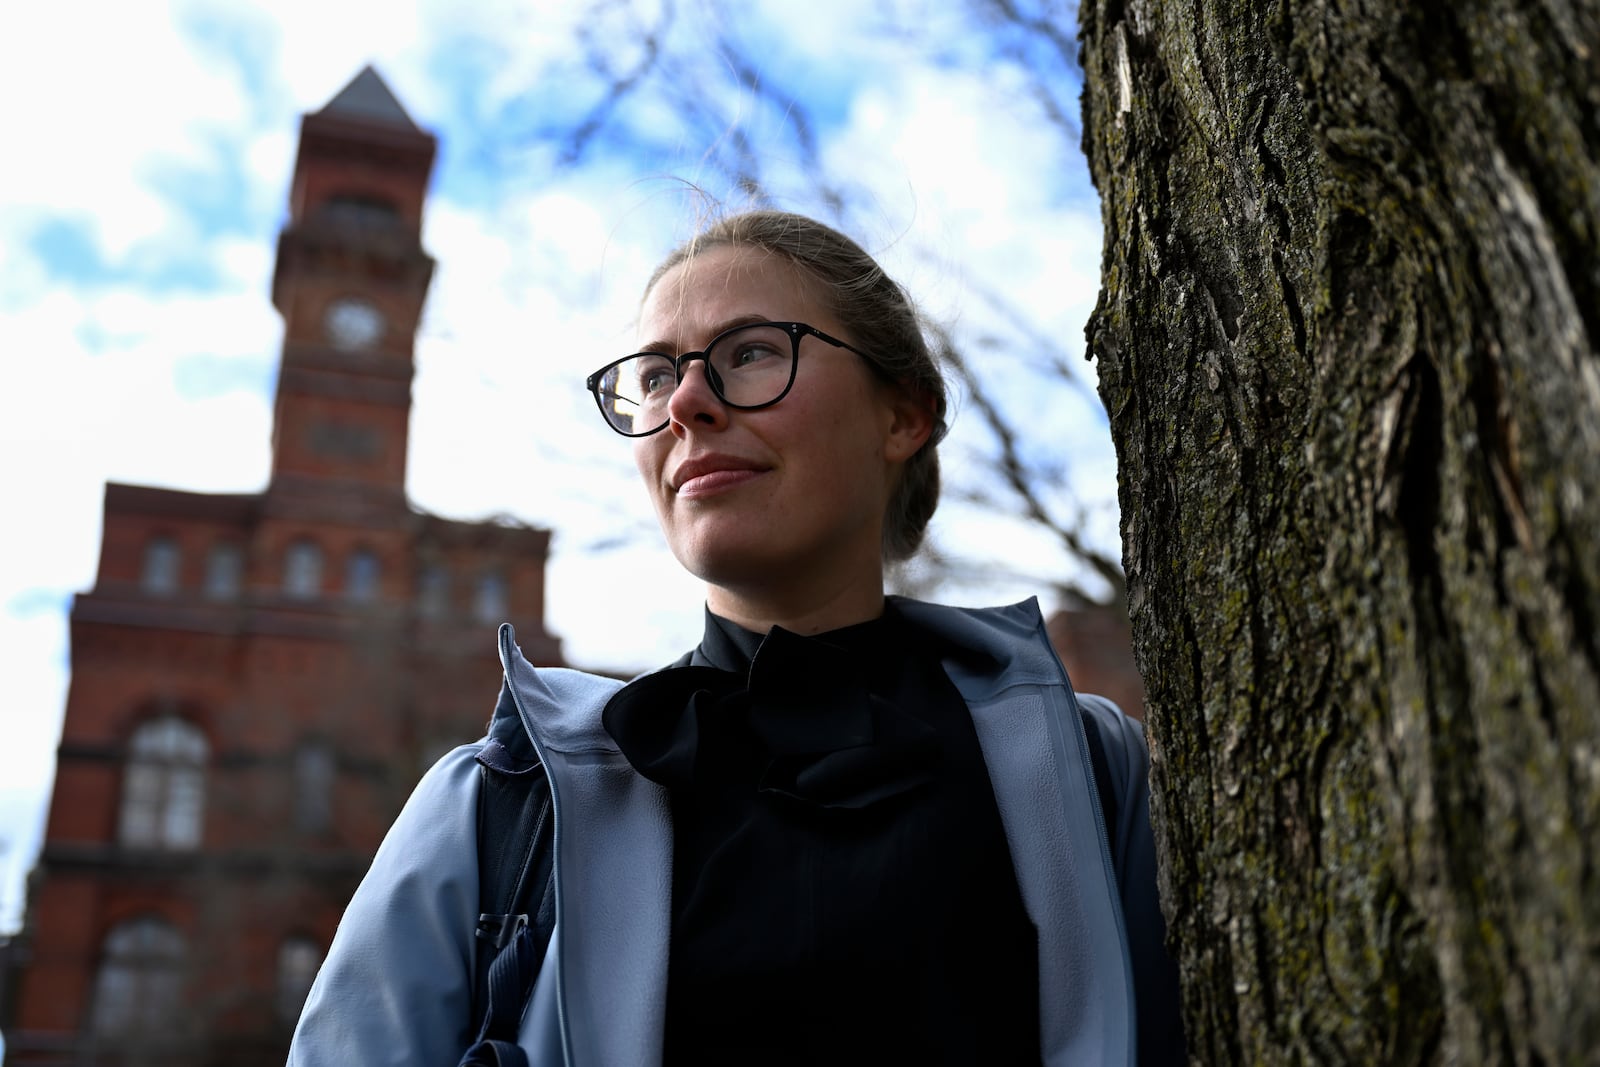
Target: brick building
[[258, 680]]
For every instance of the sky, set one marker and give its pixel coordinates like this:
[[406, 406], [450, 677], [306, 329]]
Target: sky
[[149, 150]]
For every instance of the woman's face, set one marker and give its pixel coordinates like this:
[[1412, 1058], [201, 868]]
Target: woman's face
[[785, 497]]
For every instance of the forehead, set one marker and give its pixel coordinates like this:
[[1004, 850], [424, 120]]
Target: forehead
[[713, 287]]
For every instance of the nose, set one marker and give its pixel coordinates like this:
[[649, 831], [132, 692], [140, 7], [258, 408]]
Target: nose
[[695, 403]]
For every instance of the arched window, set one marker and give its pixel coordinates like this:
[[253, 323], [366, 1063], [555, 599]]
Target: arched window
[[433, 591], [139, 987], [161, 561], [298, 960], [361, 576], [164, 786], [224, 572], [490, 603], [313, 783], [302, 570]]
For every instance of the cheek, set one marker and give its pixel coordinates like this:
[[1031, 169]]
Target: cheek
[[648, 457]]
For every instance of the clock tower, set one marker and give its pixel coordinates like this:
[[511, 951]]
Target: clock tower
[[350, 283], [259, 679]]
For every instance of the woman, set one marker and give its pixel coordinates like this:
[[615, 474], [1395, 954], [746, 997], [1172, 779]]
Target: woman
[[846, 828]]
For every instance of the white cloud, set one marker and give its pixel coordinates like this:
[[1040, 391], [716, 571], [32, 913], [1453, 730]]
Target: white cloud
[[30, 720], [83, 101]]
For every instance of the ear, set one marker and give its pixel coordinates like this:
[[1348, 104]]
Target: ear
[[911, 422]]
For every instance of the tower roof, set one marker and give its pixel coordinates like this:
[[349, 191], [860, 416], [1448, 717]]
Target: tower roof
[[368, 99]]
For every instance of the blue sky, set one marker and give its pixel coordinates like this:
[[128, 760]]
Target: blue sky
[[149, 152]]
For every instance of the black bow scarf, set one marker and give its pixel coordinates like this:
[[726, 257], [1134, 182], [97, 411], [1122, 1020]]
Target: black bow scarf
[[805, 728], [839, 865]]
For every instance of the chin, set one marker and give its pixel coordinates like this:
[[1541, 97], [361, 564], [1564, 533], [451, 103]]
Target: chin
[[723, 539], [726, 566]]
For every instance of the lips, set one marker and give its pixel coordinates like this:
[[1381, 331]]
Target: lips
[[713, 472]]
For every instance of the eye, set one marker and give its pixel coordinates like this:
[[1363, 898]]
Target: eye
[[753, 352], [757, 351], [654, 376]]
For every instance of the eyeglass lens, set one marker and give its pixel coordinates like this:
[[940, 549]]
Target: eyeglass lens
[[748, 367]]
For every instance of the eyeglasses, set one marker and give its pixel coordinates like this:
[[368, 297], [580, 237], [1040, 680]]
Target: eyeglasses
[[747, 367]]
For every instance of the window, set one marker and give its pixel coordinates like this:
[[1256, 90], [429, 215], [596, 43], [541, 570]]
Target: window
[[433, 591], [361, 576], [313, 784], [163, 786], [302, 570], [298, 960], [224, 572], [160, 574], [489, 605], [139, 987], [364, 212]]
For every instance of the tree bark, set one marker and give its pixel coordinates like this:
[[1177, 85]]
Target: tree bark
[[1347, 336]]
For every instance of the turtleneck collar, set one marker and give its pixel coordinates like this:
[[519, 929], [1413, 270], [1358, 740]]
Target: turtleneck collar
[[730, 647]]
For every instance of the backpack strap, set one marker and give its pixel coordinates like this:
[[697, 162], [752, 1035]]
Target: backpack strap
[[1103, 784], [516, 892]]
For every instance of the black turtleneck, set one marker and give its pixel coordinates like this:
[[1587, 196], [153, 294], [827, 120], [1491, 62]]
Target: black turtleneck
[[842, 890]]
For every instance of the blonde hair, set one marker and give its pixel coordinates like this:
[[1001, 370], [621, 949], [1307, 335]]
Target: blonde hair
[[882, 323]]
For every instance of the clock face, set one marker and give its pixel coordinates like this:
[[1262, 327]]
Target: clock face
[[353, 323]]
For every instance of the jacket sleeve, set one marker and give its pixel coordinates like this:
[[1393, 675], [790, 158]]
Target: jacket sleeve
[[395, 987], [1133, 853]]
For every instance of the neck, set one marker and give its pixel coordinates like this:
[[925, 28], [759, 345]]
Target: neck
[[804, 613]]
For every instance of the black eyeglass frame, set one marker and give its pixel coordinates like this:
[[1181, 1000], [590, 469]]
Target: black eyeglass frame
[[795, 330]]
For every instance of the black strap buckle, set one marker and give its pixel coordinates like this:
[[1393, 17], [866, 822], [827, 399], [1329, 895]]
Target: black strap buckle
[[501, 930]]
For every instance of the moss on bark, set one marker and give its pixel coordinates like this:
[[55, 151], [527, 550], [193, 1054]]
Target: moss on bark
[[1347, 336]]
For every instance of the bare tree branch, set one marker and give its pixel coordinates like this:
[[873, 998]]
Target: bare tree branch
[[1018, 476], [619, 84]]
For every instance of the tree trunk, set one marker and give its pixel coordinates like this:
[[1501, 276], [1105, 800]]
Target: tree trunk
[[1347, 336]]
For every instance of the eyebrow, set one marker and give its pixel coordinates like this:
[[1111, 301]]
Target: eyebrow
[[667, 347]]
